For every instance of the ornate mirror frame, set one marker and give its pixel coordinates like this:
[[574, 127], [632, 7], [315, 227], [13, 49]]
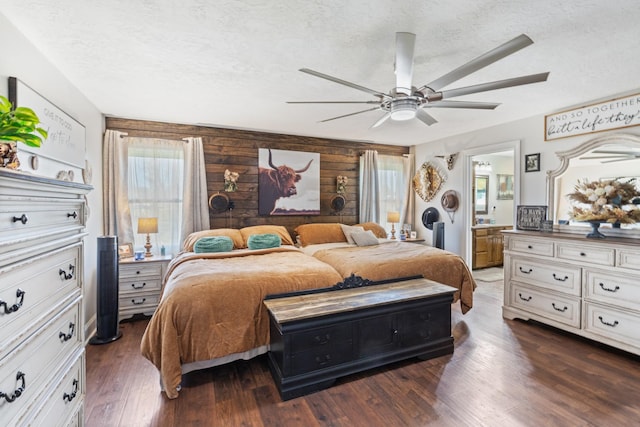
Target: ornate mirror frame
[[565, 159]]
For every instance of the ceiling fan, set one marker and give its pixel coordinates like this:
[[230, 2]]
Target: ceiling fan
[[405, 101]]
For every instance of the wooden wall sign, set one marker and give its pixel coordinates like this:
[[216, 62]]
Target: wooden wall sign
[[613, 114], [66, 140]]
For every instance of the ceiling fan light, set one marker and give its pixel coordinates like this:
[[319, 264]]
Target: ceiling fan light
[[403, 109]]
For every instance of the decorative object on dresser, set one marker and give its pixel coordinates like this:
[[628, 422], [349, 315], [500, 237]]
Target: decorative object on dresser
[[17, 125], [354, 329], [530, 217], [107, 292], [139, 285], [393, 218], [588, 287], [147, 226], [42, 362]]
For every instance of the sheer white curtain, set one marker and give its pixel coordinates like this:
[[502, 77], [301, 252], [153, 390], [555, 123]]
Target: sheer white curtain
[[117, 218], [393, 173], [369, 187], [196, 208]]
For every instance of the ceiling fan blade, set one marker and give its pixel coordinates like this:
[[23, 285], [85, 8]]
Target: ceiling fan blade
[[624, 159], [624, 153], [480, 62], [425, 117], [463, 104], [344, 82], [381, 121], [333, 102], [405, 44], [483, 87], [350, 114]]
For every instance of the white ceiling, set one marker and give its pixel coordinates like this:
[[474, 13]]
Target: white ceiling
[[235, 63]]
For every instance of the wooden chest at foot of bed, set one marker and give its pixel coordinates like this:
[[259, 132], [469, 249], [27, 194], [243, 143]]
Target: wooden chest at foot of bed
[[317, 338]]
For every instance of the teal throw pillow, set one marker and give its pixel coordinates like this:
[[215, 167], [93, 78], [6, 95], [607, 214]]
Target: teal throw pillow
[[213, 244], [264, 241]]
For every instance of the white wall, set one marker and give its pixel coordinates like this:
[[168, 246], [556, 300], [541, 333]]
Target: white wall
[[19, 58], [532, 185]]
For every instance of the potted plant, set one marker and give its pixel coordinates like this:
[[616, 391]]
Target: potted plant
[[19, 124]]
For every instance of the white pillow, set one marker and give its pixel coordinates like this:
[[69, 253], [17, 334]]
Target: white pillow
[[365, 238], [348, 230]]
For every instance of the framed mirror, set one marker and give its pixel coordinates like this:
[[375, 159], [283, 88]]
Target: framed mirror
[[481, 195], [614, 156]]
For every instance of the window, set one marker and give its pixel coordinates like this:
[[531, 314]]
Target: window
[[393, 184], [156, 175]]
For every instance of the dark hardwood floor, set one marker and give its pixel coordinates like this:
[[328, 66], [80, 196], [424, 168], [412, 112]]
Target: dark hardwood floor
[[502, 373]]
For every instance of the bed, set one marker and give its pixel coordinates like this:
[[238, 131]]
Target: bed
[[383, 259], [211, 309]]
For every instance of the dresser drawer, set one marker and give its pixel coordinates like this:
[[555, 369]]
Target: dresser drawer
[[564, 309], [320, 357], [128, 285], [66, 398], [628, 258], [33, 290], [133, 271], [589, 255], [319, 338], [139, 301], [610, 288], [531, 246], [36, 360], [618, 325], [557, 277]]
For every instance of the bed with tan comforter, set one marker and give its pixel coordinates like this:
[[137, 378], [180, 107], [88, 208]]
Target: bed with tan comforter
[[211, 306]]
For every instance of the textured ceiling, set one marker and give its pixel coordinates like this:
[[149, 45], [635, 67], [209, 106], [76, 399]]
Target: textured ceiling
[[235, 63]]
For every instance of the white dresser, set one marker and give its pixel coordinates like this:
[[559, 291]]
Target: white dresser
[[140, 284], [42, 362], [590, 287]]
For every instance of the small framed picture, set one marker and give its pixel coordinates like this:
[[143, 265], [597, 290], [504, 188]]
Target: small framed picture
[[125, 251], [414, 235], [532, 162]]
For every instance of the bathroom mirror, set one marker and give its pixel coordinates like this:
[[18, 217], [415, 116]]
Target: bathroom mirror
[[606, 157], [481, 195]]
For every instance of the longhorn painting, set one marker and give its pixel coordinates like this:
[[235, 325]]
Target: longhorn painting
[[288, 182]]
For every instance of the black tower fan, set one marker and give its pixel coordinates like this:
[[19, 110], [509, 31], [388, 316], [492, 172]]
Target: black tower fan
[[107, 292]]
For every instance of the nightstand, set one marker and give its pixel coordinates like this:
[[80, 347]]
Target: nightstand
[[139, 285]]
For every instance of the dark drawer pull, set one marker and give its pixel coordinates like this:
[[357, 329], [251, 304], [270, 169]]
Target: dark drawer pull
[[63, 274], [609, 289], [15, 307], [23, 219], [583, 254], [66, 337], [613, 325], [18, 392], [322, 340], [133, 285], [69, 397], [321, 361], [561, 310], [139, 301], [523, 298], [73, 215], [529, 247], [525, 272], [559, 279]]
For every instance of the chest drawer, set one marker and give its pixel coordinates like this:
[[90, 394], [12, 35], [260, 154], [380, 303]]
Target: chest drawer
[[613, 323], [320, 337], [143, 269], [628, 258], [138, 301], [31, 291], [32, 365], [564, 309], [66, 397], [557, 277], [424, 324], [139, 284], [590, 255], [530, 246], [606, 287]]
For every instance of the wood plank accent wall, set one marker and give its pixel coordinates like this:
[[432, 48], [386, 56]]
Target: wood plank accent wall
[[237, 150]]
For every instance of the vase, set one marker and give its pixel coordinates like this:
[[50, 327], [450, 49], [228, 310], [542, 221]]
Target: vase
[[595, 233]]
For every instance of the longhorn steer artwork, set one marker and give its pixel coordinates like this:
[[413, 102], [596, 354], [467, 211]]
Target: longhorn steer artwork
[[276, 183]]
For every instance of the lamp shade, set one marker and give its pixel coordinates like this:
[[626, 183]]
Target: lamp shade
[[147, 225], [393, 216]]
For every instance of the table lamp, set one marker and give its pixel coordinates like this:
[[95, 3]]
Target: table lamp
[[147, 226], [393, 217]]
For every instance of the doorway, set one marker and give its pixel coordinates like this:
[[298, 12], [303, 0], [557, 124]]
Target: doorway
[[492, 194]]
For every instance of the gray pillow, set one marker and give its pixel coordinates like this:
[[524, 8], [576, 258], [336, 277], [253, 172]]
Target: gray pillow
[[365, 238], [348, 230]]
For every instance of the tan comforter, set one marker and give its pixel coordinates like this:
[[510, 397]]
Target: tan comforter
[[402, 259], [212, 305]]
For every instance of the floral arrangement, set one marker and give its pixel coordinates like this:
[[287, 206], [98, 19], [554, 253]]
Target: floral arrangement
[[342, 184], [607, 201], [230, 181]]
